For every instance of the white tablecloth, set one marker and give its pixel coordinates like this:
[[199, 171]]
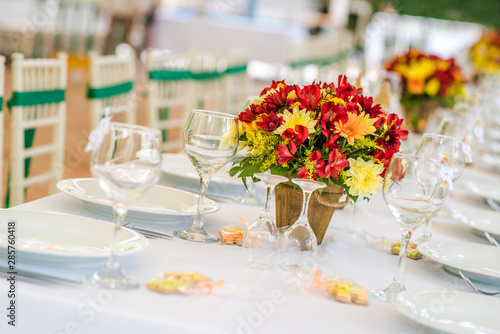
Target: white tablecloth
[[251, 301]]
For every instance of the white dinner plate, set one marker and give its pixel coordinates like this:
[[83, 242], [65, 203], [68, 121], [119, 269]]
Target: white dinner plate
[[57, 239], [451, 311], [478, 262], [490, 189], [482, 221], [179, 172], [158, 204]]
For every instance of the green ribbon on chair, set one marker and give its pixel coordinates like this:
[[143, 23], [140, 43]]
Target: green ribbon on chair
[[205, 75], [26, 99], [1, 103], [237, 69], [109, 91], [168, 75]]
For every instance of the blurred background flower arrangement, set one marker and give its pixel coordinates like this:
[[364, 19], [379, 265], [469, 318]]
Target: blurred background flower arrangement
[[325, 132], [485, 53], [428, 82]]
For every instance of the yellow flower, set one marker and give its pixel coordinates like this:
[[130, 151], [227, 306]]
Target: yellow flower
[[369, 123], [364, 177], [355, 128], [298, 117], [432, 87]]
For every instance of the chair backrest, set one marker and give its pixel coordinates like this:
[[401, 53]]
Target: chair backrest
[[37, 103], [169, 95], [207, 80], [2, 93], [236, 82], [111, 86]]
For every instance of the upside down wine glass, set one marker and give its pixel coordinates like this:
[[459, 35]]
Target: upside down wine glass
[[453, 154], [413, 190], [126, 163], [261, 239], [210, 140], [299, 243]]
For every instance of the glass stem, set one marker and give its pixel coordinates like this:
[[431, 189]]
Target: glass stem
[[266, 212], [119, 213], [403, 250], [198, 220], [305, 206], [428, 229]]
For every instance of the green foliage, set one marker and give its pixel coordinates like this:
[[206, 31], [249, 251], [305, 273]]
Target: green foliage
[[478, 11]]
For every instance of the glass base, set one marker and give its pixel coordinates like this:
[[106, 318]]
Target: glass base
[[249, 198], [258, 265], [198, 235], [389, 294], [112, 279]]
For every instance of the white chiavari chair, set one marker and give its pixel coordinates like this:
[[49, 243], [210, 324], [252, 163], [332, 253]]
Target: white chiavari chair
[[236, 82], [2, 93], [207, 75], [110, 86], [38, 103], [169, 95]]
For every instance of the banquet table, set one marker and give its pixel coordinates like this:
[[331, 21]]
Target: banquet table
[[250, 301]]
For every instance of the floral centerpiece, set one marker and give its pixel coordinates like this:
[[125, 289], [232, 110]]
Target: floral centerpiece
[[428, 82], [485, 53], [323, 132]]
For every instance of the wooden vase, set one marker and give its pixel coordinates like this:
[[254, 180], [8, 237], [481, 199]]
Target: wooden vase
[[321, 206], [417, 115]]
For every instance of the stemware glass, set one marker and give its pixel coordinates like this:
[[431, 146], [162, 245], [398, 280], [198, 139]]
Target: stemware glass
[[299, 243], [261, 239], [414, 190], [453, 155], [210, 140], [126, 163]]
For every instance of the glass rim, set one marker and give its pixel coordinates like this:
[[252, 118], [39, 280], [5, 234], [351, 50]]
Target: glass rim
[[438, 135], [214, 113], [134, 127], [413, 156]]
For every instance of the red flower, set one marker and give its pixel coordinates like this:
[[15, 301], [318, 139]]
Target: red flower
[[366, 104], [277, 100], [284, 154], [318, 163], [391, 141], [309, 96], [271, 122], [296, 137], [250, 114], [336, 163], [332, 113]]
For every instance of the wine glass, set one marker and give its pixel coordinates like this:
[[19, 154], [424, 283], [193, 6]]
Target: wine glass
[[414, 190], [210, 140], [126, 163], [261, 239], [451, 152], [299, 243]]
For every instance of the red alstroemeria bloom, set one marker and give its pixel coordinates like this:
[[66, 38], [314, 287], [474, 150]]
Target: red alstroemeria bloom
[[336, 163], [284, 154], [270, 122], [366, 104], [296, 137], [273, 85], [250, 114], [345, 90], [309, 96], [318, 163], [278, 99], [331, 113]]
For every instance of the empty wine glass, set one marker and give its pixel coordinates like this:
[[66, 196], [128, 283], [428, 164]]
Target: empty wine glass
[[299, 243], [261, 239], [452, 153], [126, 163], [414, 190], [210, 140]]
